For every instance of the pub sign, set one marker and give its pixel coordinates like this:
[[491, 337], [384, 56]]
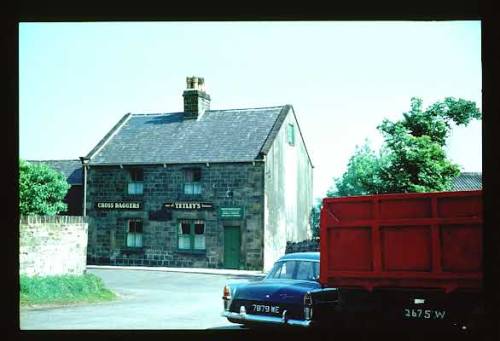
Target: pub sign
[[188, 205], [118, 205]]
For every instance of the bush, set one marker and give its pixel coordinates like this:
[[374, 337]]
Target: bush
[[63, 289], [41, 189]]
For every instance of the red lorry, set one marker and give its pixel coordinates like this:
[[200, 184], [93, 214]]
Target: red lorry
[[413, 258]]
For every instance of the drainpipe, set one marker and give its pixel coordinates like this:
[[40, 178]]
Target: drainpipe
[[85, 162]]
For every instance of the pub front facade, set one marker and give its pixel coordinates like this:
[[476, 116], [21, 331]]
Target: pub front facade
[[199, 188]]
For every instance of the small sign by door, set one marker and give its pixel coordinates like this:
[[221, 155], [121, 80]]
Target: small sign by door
[[231, 212]]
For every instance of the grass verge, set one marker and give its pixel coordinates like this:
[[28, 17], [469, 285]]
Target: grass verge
[[66, 289]]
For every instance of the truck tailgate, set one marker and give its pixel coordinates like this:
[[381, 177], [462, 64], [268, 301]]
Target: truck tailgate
[[411, 240]]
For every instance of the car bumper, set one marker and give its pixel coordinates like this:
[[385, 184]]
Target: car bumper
[[249, 318]]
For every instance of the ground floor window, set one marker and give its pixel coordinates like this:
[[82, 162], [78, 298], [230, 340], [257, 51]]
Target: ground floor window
[[134, 235], [191, 235]]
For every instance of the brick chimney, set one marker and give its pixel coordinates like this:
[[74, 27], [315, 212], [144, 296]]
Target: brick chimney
[[196, 100]]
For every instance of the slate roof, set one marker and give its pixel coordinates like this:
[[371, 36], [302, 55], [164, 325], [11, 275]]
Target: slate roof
[[71, 169], [468, 181], [234, 135]]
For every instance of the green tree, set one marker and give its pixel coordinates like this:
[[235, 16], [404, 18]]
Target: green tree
[[315, 215], [41, 189], [363, 173], [413, 158]]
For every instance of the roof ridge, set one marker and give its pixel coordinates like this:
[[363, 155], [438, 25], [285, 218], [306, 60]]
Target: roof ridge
[[255, 108], [211, 110], [156, 114]]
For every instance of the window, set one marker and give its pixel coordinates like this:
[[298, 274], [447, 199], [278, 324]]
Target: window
[[192, 185], [291, 134], [134, 235], [308, 271], [191, 235], [283, 270], [292, 269], [136, 185]]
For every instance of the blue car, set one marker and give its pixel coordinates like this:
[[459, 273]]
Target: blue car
[[283, 297]]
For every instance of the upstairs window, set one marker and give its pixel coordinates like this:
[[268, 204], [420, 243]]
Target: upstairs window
[[192, 184], [134, 235], [191, 235], [291, 134], [136, 183]]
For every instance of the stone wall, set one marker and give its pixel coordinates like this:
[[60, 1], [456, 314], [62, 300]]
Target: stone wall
[[303, 246], [52, 245], [108, 228]]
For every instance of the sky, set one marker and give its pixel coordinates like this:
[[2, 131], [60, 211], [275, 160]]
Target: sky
[[76, 80]]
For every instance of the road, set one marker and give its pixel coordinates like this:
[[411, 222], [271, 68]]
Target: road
[[147, 300]]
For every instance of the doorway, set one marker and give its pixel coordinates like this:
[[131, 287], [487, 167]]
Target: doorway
[[232, 244]]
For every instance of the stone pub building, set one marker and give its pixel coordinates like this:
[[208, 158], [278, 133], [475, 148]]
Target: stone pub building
[[198, 188]]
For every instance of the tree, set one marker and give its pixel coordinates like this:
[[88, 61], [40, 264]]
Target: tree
[[314, 216], [412, 158], [41, 189], [363, 173]]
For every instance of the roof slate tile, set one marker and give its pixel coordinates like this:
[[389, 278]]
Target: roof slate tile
[[233, 135]]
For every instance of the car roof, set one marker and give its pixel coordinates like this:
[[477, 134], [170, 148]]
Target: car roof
[[301, 255]]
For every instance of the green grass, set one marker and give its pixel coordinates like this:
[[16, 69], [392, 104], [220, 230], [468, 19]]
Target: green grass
[[66, 289]]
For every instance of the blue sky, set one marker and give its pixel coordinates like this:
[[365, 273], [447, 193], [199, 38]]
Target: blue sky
[[342, 78]]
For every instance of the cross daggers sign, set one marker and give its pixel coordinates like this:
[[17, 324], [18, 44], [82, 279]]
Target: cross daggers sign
[[119, 205]]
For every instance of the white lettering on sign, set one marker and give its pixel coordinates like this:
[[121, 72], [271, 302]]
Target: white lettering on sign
[[188, 205], [122, 205]]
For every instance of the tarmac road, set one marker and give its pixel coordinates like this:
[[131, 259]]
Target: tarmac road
[[147, 300]]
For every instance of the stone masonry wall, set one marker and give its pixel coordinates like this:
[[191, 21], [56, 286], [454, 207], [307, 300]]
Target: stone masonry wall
[[108, 228], [52, 245]]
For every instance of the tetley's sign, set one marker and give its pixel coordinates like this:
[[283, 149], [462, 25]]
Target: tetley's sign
[[188, 205], [119, 205]]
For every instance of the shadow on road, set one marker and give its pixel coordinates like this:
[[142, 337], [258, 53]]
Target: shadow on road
[[235, 327]]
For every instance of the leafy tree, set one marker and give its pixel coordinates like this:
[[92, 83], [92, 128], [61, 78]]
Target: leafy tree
[[315, 214], [41, 189], [363, 173], [413, 158]]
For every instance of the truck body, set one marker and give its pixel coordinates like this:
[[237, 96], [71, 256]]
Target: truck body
[[412, 257]]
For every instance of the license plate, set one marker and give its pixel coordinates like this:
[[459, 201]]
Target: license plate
[[424, 314], [261, 308]]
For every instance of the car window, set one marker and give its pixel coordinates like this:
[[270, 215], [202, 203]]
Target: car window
[[305, 270], [316, 271], [283, 270], [292, 269]]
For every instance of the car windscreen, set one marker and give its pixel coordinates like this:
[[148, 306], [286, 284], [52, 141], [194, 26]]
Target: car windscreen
[[295, 269]]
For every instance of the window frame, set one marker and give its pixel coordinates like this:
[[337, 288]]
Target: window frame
[[290, 133], [136, 179], [135, 220], [192, 178], [192, 234]]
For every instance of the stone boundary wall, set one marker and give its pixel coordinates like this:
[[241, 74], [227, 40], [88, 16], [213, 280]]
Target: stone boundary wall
[[52, 245], [303, 246]]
